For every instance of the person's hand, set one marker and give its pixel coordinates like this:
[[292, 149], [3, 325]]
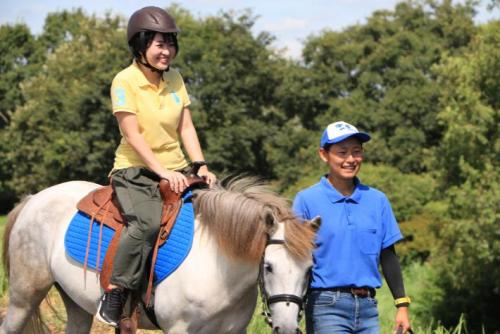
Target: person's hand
[[207, 175], [402, 320], [178, 182]]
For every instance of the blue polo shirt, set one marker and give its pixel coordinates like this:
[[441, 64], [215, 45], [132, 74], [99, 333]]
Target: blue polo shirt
[[353, 231]]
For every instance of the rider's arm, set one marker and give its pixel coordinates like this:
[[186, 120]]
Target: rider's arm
[[189, 136], [191, 143]]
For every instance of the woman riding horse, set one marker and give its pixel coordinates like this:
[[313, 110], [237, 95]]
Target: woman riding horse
[[150, 102]]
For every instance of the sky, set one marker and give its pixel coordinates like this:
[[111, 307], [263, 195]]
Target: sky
[[290, 21]]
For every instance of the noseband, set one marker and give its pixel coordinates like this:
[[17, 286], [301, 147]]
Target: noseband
[[286, 298]]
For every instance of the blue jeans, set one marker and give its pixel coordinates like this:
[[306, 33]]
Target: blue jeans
[[340, 312]]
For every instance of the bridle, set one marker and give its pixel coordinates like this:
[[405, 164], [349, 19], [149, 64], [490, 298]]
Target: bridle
[[285, 298]]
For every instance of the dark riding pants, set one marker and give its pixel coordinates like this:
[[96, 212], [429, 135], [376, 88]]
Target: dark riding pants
[[138, 193]]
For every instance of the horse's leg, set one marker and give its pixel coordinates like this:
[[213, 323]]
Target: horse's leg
[[23, 302], [30, 279], [79, 320]]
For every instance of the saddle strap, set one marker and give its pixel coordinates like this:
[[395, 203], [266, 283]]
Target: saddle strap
[[170, 212], [107, 265], [104, 205]]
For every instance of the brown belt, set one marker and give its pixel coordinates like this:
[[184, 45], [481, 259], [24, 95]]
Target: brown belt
[[358, 292]]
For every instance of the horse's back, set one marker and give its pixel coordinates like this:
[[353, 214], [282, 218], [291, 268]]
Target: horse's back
[[52, 204], [70, 189], [45, 211]]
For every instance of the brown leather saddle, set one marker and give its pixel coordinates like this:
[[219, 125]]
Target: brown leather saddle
[[101, 205]]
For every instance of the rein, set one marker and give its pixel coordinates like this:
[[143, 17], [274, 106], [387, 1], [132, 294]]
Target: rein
[[279, 298]]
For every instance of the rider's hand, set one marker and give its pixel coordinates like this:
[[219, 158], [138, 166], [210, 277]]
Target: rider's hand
[[178, 182], [207, 175], [402, 319]]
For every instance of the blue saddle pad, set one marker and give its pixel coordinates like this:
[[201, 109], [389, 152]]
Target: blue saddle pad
[[170, 254]]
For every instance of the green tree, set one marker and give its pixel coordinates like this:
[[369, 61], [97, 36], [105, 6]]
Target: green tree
[[17, 47], [469, 153], [61, 27], [65, 129], [18, 61], [231, 76], [378, 77], [21, 55]]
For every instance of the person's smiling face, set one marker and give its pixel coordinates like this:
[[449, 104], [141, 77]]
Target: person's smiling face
[[161, 51], [344, 159]]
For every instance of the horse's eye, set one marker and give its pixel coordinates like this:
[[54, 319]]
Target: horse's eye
[[268, 268]]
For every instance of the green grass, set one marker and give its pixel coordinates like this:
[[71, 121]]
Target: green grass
[[417, 278]]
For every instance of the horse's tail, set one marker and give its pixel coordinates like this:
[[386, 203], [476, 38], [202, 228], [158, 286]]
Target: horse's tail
[[11, 220], [35, 324]]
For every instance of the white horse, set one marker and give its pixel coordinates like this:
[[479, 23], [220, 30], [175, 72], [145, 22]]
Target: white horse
[[213, 291]]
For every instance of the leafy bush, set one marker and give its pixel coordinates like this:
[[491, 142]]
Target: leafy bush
[[408, 193]]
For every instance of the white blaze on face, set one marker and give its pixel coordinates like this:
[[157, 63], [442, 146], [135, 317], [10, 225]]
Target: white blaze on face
[[284, 275]]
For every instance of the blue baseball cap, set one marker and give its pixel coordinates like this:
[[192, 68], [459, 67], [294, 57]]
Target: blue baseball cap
[[339, 131]]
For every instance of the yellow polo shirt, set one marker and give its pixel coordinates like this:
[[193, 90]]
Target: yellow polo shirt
[[158, 111]]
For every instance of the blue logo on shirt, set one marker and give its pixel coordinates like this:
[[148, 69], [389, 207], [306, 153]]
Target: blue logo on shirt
[[176, 97], [120, 96]]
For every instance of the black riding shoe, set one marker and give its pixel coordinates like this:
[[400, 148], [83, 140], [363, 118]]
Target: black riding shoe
[[110, 307]]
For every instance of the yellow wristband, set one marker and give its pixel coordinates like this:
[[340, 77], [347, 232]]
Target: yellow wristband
[[402, 300]]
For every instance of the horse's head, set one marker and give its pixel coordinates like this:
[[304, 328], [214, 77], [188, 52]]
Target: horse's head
[[284, 273], [243, 214]]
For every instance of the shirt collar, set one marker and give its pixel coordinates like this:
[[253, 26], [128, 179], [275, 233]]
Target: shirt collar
[[335, 196], [142, 80]]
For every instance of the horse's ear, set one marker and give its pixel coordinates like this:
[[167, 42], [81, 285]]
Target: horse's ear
[[315, 223]]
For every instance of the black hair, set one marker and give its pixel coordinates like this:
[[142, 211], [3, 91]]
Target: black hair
[[326, 147], [142, 40]]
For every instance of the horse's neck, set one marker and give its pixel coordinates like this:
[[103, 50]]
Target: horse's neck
[[213, 259], [207, 268]]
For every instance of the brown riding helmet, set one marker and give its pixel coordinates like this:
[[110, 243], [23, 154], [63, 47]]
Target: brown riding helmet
[[151, 18]]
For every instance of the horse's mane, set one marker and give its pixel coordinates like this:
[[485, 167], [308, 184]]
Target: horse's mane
[[235, 211]]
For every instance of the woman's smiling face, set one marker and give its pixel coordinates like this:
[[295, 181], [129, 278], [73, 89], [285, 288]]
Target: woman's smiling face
[[161, 52], [344, 159]]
